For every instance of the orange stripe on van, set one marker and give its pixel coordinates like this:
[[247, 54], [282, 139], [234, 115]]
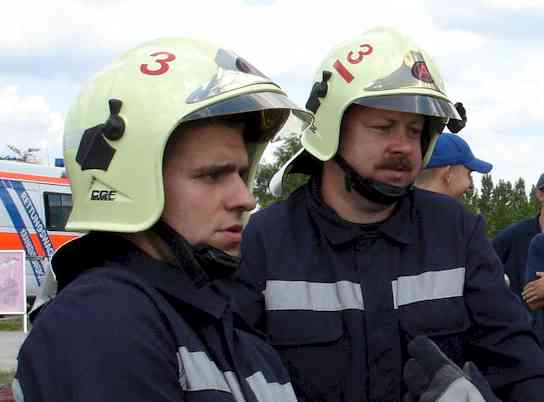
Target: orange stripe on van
[[11, 241], [35, 178]]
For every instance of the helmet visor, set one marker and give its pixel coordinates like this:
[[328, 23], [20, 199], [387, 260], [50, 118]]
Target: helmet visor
[[411, 103], [277, 117]]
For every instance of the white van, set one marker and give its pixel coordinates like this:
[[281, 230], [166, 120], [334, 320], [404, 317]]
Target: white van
[[35, 202]]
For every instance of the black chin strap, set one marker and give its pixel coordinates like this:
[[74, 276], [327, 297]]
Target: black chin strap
[[372, 190], [222, 263], [197, 261]]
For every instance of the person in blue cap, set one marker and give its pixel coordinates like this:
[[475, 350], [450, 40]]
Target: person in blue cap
[[533, 292], [450, 167]]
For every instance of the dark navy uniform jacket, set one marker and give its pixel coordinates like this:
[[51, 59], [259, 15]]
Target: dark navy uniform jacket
[[340, 301], [130, 328], [512, 246]]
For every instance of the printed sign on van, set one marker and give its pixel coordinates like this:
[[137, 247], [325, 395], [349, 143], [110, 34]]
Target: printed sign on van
[[12, 282]]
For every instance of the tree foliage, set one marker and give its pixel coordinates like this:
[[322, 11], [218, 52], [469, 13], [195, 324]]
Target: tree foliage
[[502, 204], [266, 170]]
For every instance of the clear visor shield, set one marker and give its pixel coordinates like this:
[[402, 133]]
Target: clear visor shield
[[412, 73], [419, 104], [276, 116], [233, 72]]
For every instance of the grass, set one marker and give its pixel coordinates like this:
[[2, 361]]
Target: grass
[[11, 323], [6, 377]]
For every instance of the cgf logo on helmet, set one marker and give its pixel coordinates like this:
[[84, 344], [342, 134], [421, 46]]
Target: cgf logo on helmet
[[351, 58], [421, 72], [103, 195]]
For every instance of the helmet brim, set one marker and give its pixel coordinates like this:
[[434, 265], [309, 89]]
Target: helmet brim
[[412, 103], [281, 118]]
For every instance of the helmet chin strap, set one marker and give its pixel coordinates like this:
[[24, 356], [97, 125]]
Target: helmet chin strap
[[372, 190], [200, 262]]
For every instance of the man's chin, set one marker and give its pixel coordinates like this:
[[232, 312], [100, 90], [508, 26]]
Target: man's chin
[[399, 182], [231, 249]]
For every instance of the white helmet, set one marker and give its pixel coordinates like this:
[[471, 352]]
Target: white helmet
[[381, 69], [117, 130]]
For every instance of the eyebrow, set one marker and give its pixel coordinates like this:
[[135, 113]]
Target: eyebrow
[[221, 168], [392, 121]]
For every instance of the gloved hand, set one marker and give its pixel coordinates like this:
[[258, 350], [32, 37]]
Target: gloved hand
[[431, 377], [457, 125]]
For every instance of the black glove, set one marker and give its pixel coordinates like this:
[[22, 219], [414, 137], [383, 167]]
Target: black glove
[[457, 125], [431, 377]]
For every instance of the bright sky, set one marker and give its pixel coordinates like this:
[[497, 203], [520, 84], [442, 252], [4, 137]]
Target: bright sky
[[489, 52]]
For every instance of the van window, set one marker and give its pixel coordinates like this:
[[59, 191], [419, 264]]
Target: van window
[[57, 210]]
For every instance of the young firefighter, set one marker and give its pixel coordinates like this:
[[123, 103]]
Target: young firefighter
[[161, 148]]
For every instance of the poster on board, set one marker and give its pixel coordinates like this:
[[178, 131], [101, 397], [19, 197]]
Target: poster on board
[[12, 282]]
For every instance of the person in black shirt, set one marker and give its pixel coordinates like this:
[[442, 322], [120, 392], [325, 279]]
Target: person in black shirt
[[353, 266], [512, 244]]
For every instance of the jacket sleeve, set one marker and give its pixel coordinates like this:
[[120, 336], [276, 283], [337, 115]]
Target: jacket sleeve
[[501, 245], [502, 344], [99, 342], [250, 280]]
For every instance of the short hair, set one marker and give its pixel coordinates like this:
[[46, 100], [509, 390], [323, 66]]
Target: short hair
[[236, 121], [426, 176]]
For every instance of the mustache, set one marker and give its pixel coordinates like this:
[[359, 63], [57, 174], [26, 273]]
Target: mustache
[[400, 162]]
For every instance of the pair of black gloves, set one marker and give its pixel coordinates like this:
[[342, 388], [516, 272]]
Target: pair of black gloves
[[431, 377]]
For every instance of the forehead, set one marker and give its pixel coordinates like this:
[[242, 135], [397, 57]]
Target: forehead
[[364, 113], [209, 141]]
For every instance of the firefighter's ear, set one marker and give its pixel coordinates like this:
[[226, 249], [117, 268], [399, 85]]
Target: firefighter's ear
[[446, 174]]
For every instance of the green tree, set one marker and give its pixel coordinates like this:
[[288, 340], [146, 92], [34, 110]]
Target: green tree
[[500, 215], [471, 200], [266, 170], [484, 202], [520, 203], [534, 203]]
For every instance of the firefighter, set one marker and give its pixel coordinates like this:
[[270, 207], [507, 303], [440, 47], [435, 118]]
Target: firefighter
[[356, 263], [161, 149]]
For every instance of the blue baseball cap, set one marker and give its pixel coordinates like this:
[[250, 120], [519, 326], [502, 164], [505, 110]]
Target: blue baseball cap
[[451, 149]]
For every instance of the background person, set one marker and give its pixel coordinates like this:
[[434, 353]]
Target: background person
[[533, 291], [512, 243], [450, 168], [160, 148]]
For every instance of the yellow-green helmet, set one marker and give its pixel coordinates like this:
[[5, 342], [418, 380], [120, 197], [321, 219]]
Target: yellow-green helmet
[[382, 69], [116, 132]]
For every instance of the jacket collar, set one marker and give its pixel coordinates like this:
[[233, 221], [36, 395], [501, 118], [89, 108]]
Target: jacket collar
[[106, 249], [399, 226]]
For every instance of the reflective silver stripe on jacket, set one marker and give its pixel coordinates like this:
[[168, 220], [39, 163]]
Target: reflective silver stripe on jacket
[[17, 391], [432, 285], [265, 391], [315, 296], [198, 373]]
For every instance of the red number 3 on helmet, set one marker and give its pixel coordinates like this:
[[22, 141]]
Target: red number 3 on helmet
[[163, 63]]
